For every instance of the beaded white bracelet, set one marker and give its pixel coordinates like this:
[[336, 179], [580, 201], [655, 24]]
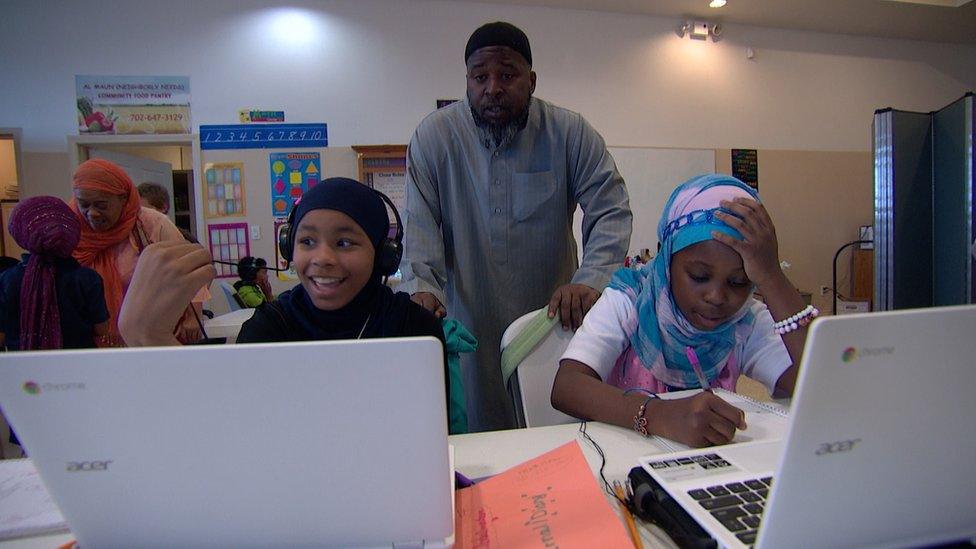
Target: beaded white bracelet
[[796, 321]]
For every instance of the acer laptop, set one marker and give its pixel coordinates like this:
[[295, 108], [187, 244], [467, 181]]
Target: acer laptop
[[880, 451], [338, 443]]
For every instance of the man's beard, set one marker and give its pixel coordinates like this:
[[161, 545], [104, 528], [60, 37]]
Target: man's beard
[[500, 133]]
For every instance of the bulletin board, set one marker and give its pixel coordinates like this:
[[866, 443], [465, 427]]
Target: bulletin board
[[384, 168], [228, 242], [224, 187]]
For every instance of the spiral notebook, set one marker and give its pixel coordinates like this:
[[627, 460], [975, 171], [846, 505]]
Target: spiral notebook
[[764, 420]]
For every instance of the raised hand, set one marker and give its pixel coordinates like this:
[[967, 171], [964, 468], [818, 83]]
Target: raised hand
[[167, 276]]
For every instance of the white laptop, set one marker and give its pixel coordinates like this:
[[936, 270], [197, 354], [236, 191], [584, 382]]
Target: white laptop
[[340, 443], [881, 448]]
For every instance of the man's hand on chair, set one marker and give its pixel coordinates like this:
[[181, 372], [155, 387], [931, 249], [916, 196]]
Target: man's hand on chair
[[430, 302], [572, 301]]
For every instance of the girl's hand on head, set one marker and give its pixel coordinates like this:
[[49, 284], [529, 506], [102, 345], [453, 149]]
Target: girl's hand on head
[[758, 248], [701, 420]]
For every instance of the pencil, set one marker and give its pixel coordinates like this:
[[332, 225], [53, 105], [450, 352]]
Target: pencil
[[631, 525]]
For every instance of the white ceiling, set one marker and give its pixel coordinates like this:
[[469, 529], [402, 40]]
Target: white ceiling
[[929, 20]]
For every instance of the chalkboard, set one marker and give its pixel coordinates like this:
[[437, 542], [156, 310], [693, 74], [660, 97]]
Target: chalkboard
[[651, 175]]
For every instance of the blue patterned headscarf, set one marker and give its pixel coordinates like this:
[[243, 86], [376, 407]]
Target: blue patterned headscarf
[[663, 332]]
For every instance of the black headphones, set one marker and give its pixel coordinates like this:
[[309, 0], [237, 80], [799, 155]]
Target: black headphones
[[248, 267], [388, 253]]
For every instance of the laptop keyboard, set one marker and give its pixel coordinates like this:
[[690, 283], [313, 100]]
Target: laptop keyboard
[[737, 505]]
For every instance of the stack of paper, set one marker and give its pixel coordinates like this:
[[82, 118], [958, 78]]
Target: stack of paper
[[26, 508]]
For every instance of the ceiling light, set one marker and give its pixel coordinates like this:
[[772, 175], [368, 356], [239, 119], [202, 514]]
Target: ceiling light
[[700, 30], [716, 3]]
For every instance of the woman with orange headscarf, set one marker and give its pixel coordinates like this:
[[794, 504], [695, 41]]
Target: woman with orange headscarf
[[115, 229]]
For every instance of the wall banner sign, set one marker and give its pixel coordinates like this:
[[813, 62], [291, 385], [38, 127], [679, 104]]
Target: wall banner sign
[[264, 136], [132, 104]]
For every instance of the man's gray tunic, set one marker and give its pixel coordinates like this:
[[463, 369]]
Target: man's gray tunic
[[489, 230]]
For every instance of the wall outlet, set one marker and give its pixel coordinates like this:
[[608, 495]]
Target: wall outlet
[[824, 290]]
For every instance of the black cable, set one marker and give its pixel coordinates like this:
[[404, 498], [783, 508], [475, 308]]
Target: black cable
[[603, 463], [268, 267], [836, 255], [203, 331]]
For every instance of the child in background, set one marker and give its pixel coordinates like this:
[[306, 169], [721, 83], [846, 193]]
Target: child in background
[[253, 288], [48, 300], [692, 303], [153, 195]]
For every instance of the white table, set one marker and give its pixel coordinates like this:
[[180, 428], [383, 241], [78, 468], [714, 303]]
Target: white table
[[228, 325], [483, 454]]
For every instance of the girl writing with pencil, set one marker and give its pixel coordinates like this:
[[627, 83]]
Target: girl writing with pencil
[[690, 309]]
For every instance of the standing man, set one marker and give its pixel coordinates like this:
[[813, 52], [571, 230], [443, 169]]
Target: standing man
[[492, 185]]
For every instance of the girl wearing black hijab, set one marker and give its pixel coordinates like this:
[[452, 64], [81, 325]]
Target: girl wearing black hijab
[[337, 240]]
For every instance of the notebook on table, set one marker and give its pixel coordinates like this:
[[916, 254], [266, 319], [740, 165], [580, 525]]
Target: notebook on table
[[765, 420], [880, 450], [340, 443]]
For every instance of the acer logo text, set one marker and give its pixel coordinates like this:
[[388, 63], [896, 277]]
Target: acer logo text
[[837, 447], [75, 466]]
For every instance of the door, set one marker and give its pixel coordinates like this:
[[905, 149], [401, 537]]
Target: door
[[142, 170]]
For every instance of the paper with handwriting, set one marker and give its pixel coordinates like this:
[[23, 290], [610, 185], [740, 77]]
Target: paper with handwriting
[[550, 501]]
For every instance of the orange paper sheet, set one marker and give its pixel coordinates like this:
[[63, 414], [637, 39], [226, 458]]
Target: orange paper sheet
[[550, 501]]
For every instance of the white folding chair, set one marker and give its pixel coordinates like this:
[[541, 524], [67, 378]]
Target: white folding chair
[[539, 342], [231, 295]]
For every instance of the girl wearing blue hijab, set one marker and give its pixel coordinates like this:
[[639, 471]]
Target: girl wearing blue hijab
[[689, 320]]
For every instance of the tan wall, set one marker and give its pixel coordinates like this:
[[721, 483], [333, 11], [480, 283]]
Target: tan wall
[[817, 201]]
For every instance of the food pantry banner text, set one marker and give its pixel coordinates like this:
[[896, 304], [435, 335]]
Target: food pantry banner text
[[133, 104]]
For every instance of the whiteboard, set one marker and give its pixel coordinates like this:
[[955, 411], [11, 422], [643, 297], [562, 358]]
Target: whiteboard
[[650, 176]]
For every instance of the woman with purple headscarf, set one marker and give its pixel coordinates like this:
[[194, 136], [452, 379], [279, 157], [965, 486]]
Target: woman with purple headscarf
[[48, 300]]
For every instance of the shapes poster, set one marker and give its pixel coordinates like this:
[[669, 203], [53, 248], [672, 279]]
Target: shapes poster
[[228, 242], [224, 187], [288, 271], [292, 174]]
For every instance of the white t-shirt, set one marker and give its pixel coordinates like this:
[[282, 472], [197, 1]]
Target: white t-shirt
[[608, 327]]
